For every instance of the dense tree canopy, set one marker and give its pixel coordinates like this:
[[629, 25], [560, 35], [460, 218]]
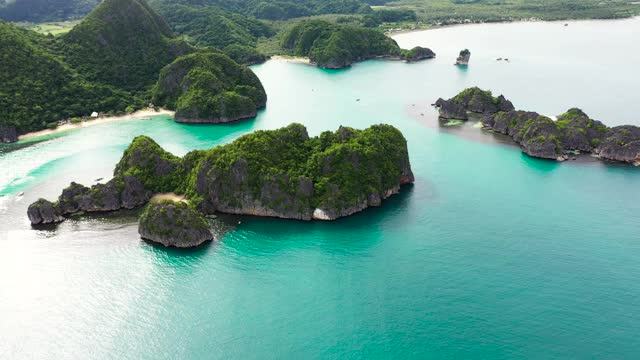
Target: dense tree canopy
[[208, 86], [37, 87], [45, 10], [336, 46], [102, 46]]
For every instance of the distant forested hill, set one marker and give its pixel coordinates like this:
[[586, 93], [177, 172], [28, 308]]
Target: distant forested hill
[[45, 10], [283, 9]]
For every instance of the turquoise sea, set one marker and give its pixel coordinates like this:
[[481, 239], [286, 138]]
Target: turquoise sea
[[490, 255]]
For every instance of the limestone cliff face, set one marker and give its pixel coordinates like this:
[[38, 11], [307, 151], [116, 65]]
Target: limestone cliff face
[[463, 58], [173, 224], [125, 192], [621, 143], [231, 192], [330, 190], [451, 110], [44, 212], [8, 134]]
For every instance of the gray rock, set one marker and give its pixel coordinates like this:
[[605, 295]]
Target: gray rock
[[449, 109], [464, 57], [44, 212], [133, 194], [621, 143], [69, 200], [8, 134]]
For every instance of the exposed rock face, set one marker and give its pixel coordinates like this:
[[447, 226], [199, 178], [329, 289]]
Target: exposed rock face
[[542, 137], [231, 192], [621, 143], [464, 57], [417, 53], [174, 224], [579, 132], [451, 110], [235, 189], [44, 212], [472, 100], [122, 192], [8, 134]]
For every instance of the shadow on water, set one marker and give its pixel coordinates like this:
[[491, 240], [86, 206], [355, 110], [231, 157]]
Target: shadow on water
[[264, 236]]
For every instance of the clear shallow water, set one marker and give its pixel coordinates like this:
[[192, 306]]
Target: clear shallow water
[[490, 255]]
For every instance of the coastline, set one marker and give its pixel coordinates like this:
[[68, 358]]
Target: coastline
[[392, 34], [291, 59], [101, 120]]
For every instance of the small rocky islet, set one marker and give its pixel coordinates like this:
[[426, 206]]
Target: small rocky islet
[[280, 173], [174, 224], [573, 132]]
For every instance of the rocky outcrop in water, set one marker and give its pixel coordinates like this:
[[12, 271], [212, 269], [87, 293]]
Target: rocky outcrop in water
[[44, 212], [8, 134], [279, 173], [539, 136], [463, 58], [122, 192], [472, 100], [416, 54], [173, 224]]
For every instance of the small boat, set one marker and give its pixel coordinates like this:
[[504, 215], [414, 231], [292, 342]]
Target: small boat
[[21, 194], [99, 179], [357, 99], [499, 59]]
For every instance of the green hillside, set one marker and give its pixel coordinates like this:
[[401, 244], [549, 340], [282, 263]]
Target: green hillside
[[123, 43], [37, 87]]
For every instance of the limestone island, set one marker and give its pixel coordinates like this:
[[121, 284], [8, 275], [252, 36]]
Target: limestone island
[[336, 46], [539, 136], [463, 58], [173, 224], [280, 173], [209, 87]]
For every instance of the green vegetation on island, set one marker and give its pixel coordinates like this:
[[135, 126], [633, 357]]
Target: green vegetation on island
[[213, 26], [37, 87], [279, 173], [109, 63], [332, 45], [173, 223], [209, 87], [123, 43]]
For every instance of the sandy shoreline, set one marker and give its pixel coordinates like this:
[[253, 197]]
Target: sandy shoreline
[[102, 120], [292, 59], [169, 196]]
